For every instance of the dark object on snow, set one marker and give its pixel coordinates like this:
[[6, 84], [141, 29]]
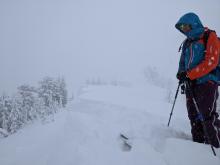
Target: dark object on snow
[[126, 146]]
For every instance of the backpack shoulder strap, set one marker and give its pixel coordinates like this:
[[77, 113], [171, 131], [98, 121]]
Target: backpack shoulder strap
[[183, 45], [206, 36]]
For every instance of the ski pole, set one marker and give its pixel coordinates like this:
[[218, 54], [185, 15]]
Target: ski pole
[[171, 113], [199, 114]]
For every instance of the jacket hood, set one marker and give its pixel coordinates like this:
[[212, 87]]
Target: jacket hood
[[193, 20]]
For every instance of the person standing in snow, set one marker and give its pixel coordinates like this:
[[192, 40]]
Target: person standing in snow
[[197, 65]]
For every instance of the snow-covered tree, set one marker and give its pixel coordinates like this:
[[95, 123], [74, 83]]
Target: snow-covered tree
[[62, 91], [10, 119], [27, 96], [53, 91], [17, 117], [3, 115], [30, 103], [47, 91]]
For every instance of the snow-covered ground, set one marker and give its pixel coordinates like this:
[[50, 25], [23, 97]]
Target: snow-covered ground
[[88, 132]]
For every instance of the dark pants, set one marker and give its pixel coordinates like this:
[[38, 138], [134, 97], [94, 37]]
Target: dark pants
[[205, 95]]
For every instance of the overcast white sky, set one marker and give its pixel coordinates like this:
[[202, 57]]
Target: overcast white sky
[[80, 39]]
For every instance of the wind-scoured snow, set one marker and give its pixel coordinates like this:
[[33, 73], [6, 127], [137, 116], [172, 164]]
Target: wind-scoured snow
[[88, 132]]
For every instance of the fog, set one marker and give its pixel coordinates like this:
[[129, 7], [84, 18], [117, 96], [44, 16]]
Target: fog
[[84, 39]]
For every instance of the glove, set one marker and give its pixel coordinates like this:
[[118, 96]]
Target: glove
[[182, 76]]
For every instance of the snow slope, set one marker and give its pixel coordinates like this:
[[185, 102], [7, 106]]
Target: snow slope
[[87, 132]]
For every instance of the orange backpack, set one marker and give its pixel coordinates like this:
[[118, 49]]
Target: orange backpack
[[206, 36]]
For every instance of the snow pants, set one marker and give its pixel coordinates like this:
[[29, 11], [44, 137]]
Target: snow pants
[[206, 95]]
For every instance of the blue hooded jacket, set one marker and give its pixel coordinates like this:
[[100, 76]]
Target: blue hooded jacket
[[193, 53], [193, 20]]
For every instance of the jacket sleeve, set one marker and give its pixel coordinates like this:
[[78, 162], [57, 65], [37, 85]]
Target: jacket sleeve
[[211, 58]]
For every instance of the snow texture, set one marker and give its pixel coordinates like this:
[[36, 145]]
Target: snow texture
[[88, 132]]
